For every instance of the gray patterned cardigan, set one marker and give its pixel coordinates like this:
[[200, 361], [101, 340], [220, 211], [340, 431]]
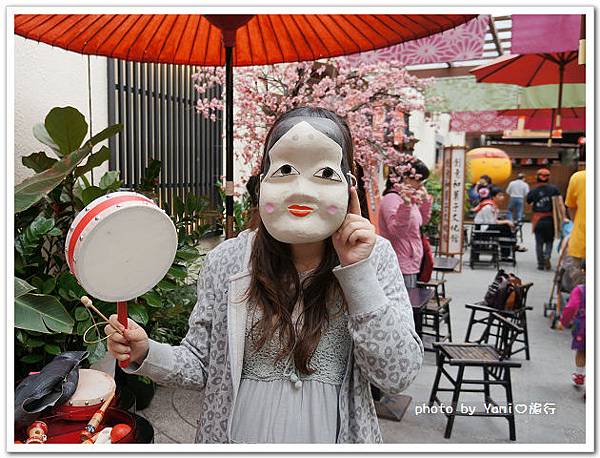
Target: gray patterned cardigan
[[386, 350]]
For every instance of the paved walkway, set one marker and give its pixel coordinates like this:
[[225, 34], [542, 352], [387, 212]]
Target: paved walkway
[[546, 378]]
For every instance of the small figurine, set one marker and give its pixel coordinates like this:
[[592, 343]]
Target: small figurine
[[37, 433]]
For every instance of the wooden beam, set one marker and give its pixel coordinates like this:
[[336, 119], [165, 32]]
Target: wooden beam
[[494, 33], [442, 72]]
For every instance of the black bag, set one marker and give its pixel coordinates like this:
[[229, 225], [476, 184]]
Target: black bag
[[52, 386], [504, 292]]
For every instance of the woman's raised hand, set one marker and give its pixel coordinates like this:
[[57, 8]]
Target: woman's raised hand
[[355, 238], [132, 345]]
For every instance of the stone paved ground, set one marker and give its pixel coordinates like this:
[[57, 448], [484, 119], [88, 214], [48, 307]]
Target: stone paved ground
[[546, 378]]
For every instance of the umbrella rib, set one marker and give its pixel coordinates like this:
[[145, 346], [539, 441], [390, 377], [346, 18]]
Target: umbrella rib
[[207, 39], [367, 25], [123, 37], [414, 34], [440, 27], [182, 34], [29, 18], [572, 55], [418, 24], [136, 38], [81, 18], [32, 18], [360, 49], [551, 58], [194, 39], [502, 66], [83, 31], [163, 18], [164, 43], [83, 50], [287, 32], [63, 19], [124, 18], [268, 18], [534, 74], [250, 47], [384, 25], [303, 37], [304, 16], [262, 38]]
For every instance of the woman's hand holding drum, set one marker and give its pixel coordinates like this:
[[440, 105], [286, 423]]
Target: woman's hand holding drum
[[132, 345]]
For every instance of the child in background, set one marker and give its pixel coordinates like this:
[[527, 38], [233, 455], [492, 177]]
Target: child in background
[[574, 312]]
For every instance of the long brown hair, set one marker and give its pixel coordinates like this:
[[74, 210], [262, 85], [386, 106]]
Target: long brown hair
[[275, 285]]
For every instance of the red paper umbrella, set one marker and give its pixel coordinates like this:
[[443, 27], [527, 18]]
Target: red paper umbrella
[[532, 69], [260, 39], [535, 70], [229, 40], [573, 118], [543, 113]]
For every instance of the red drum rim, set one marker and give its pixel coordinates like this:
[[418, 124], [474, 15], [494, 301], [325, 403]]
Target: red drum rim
[[91, 214]]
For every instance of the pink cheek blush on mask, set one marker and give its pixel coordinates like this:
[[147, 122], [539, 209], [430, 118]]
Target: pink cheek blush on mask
[[269, 207], [332, 209]]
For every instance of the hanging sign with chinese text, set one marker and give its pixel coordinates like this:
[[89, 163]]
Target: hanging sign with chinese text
[[453, 196]]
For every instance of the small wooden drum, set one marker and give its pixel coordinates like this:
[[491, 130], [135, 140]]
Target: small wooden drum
[[93, 388], [120, 246]]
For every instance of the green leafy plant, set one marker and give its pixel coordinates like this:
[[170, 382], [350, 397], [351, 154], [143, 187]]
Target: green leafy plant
[[434, 188], [241, 209], [48, 316], [166, 308]]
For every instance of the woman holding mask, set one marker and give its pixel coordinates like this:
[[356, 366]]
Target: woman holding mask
[[296, 318], [406, 207]]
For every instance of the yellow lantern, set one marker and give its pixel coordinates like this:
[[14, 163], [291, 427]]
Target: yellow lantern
[[488, 161]]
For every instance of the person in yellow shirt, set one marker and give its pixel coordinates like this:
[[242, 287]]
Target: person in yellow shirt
[[575, 203]]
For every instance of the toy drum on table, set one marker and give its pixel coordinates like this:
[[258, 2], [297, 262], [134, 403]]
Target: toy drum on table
[[93, 388], [119, 247]]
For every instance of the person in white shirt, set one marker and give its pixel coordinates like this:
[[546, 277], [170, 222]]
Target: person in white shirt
[[487, 213], [517, 190]]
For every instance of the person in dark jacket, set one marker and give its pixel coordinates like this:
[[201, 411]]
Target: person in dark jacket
[[542, 222]]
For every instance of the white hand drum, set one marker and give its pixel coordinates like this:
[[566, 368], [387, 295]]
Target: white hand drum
[[119, 247]]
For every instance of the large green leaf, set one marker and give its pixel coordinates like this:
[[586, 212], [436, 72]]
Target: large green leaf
[[187, 253], [152, 299], [42, 313], [69, 284], [106, 133], [67, 127], [53, 349], [22, 287], [96, 352], [28, 243], [42, 135], [110, 181], [178, 272], [94, 160], [91, 193], [178, 206], [38, 161], [137, 312], [32, 189]]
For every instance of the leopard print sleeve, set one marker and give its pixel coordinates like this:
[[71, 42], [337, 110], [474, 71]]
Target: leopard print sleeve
[[186, 365], [386, 346]]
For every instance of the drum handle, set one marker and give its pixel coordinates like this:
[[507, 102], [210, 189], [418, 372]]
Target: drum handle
[[122, 317]]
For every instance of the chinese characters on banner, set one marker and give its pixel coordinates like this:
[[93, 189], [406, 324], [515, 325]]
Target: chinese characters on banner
[[453, 195]]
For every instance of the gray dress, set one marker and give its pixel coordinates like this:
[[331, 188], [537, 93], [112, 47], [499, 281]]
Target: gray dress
[[277, 404]]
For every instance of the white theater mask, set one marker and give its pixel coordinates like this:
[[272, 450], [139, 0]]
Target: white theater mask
[[304, 194]]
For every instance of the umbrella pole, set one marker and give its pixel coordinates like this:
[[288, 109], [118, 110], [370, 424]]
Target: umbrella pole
[[229, 187], [561, 75]]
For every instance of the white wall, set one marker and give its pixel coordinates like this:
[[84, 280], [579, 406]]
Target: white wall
[[427, 133], [46, 77]]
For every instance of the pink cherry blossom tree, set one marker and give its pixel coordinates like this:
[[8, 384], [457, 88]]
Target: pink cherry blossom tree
[[373, 98]]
